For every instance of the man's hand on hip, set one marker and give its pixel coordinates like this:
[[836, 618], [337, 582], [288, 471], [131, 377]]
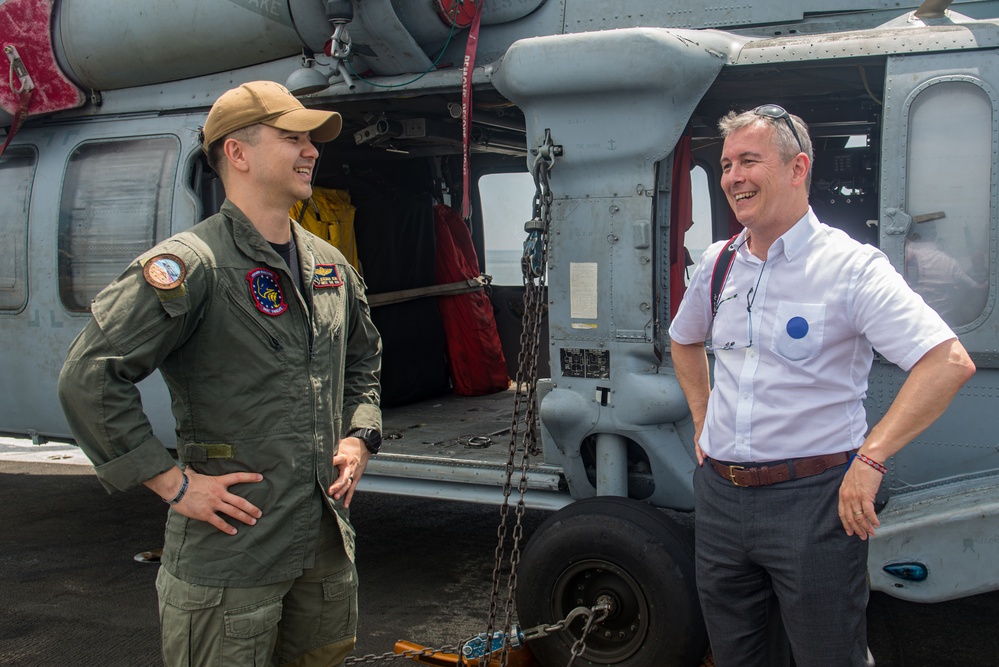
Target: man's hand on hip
[[207, 496], [350, 461], [856, 500]]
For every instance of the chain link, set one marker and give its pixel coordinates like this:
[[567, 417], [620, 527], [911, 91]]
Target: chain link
[[533, 265], [536, 249], [601, 611]]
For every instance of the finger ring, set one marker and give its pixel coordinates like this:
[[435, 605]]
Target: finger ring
[[854, 514], [351, 479]]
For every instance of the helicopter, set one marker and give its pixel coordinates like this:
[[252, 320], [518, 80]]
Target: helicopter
[[596, 124]]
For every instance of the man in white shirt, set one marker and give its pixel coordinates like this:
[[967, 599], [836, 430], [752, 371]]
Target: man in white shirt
[[783, 507]]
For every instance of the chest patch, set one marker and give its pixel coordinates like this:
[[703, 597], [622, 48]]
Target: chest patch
[[164, 272], [797, 327], [326, 276], [265, 288]]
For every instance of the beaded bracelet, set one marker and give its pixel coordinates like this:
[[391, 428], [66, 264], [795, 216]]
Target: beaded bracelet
[[180, 494], [871, 462]]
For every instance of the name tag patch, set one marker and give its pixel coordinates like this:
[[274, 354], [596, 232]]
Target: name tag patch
[[265, 288], [326, 276]]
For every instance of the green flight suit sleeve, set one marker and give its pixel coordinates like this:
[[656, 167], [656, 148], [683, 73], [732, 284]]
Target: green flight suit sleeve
[[134, 327], [362, 371]]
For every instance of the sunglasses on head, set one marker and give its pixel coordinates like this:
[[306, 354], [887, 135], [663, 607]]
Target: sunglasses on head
[[778, 113]]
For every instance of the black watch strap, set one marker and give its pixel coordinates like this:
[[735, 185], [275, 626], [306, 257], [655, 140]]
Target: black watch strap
[[371, 438]]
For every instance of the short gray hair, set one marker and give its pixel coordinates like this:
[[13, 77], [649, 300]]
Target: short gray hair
[[784, 140]]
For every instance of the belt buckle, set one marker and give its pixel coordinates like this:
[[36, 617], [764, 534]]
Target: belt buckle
[[731, 474]]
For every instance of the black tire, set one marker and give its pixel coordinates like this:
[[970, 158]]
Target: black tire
[[631, 552]]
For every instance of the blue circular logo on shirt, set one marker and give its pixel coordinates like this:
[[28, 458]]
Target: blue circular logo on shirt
[[797, 327]]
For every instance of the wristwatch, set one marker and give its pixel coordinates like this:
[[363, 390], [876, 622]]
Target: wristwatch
[[371, 438]]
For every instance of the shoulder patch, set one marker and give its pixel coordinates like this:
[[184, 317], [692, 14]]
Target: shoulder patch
[[326, 275], [164, 272], [265, 288]]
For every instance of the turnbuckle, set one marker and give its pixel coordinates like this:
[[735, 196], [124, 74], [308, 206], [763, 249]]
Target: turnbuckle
[[531, 264], [476, 646]]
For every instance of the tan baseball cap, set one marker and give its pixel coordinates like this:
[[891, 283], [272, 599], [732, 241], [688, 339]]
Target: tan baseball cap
[[268, 103]]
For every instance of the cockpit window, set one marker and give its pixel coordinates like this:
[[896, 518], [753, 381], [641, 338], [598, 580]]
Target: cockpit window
[[16, 170], [116, 203], [949, 168]]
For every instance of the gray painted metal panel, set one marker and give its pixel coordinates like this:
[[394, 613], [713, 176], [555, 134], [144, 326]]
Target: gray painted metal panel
[[465, 492], [907, 77], [440, 469], [38, 337], [962, 442], [110, 45], [387, 46], [941, 489], [617, 101], [953, 530], [893, 39], [588, 15]]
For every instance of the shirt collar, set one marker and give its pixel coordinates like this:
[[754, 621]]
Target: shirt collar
[[253, 244], [792, 242], [795, 240]]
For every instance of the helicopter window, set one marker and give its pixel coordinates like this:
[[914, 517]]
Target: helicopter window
[[507, 202], [697, 239], [16, 170], [116, 202], [949, 167]]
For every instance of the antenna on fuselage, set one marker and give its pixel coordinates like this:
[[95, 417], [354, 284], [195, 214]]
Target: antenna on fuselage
[[932, 9]]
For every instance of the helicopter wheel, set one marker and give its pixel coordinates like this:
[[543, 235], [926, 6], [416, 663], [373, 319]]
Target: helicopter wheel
[[628, 554]]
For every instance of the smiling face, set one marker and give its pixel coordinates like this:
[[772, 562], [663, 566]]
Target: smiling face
[[281, 164], [766, 193]]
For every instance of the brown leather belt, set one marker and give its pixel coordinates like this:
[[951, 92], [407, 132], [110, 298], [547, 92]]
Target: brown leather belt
[[764, 475]]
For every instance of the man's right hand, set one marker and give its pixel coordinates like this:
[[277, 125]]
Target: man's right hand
[[207, 496]]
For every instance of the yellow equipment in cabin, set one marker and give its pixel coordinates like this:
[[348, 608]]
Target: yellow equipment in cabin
[[330, 216]]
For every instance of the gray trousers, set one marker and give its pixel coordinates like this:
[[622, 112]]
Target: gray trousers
[[778, 555]]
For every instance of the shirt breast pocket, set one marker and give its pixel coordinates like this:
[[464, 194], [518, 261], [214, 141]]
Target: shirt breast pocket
[[798, 330]]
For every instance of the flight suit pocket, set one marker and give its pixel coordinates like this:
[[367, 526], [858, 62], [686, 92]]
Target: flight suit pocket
[[189, 616], [251, 320], [181, 595], [798, 330], [251, 633], [339, 613]]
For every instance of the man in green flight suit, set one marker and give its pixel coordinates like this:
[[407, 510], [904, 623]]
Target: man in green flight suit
[[263, 334]]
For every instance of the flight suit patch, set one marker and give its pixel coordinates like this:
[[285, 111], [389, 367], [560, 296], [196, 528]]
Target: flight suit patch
[[326, 276], [164, 272], [265, 288]]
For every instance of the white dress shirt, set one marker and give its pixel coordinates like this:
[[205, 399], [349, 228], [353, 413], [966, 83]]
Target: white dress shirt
[[811, 315]]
